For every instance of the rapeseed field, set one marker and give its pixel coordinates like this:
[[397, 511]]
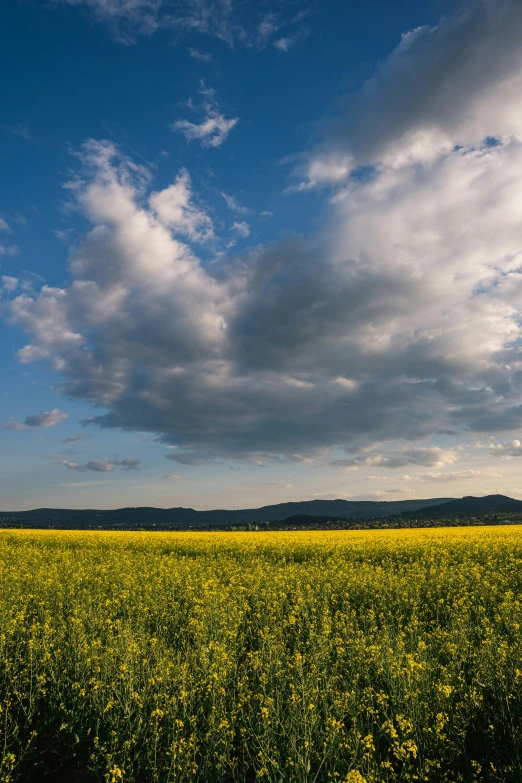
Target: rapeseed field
[[299, 657]]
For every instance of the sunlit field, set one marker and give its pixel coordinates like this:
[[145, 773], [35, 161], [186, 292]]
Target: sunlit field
[[299, 657]]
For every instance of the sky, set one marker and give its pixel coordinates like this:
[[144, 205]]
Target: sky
[[259, 252]]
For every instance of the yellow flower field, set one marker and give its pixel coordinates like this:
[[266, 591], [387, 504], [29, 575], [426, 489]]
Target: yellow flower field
[[299, 657]]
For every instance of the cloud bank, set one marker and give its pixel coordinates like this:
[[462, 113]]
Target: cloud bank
[[399, 320]]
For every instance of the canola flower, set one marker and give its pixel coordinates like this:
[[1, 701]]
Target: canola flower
[[357, 657]]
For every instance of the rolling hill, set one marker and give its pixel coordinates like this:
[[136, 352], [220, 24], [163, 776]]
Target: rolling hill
[[469, 506], [185, 517]]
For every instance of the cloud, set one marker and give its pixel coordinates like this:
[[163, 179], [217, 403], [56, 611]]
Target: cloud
[[46, 419], [203, 57], [171, 476], [513, 448], [428, 456], [174, 208], [323, 170], [455, 475], [226, 20], [194, 459], [39, 420], [10, 250], [241, 228], [433, 93], [214, 129], [410, 291], [8, 283], [3, 225], [21, 129], [127, 19], [102, 465], [74, 439], [286, 42], [234, 205]]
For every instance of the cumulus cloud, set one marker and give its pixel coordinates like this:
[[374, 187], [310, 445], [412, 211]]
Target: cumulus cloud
[[513, 448], [213, 130], [433, 93], [38, 420], [175, 209], [101, 465], [74, 439], [398, 321], [3, 225]]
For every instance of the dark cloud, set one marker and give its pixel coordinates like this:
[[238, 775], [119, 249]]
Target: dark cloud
[[397, 321], [102, 465], [38, 420], [452, 84]]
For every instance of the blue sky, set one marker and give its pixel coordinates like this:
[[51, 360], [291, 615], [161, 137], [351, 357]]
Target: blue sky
[[259, 252]]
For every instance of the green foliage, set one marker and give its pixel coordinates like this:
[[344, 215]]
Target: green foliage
[[364, 657]]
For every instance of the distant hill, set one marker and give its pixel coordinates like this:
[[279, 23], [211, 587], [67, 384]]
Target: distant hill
[[469, 506], [185, 517]]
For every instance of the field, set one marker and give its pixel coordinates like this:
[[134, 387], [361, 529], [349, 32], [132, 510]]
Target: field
[[281, 657]]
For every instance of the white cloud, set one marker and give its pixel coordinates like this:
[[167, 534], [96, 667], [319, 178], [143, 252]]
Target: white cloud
[[241, 228], [3, 225], [513, 448], [8, 283], [213, 130], [38, 420], [175, 210], [323, 170]]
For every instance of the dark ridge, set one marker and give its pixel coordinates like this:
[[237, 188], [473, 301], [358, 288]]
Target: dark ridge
[[468, 506], [188, 517]]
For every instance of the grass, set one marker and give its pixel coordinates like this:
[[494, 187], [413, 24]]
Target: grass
[[282, 657]]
